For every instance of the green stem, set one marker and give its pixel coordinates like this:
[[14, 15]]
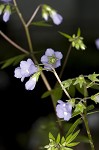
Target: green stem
[[58, 79], [84, 116], [13, 43], [33, 15]]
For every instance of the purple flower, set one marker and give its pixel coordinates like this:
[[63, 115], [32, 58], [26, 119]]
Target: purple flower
[[97, 43], [51, 59], [26, 69], [64, 110], [57, 18], [6, 15], [30, 84], [6, 1]]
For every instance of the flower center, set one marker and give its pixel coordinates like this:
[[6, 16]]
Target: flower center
[[52, 59]]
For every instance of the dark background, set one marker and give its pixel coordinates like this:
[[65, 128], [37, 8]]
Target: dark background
[[20, 109]]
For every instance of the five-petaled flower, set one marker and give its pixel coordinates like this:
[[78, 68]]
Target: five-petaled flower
[[64, 110], [51, 59], [26, 69]]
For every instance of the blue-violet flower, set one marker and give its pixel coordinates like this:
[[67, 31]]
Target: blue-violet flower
[[6, 15], [97, 43], [30, 84], [6, 1], [57, 18], [26, 69], [51, 59], [64, 110]]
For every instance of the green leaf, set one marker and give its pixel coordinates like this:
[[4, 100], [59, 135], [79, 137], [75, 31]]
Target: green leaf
[[58, 138], [51, 136], [65, 35], [41, 23], [75, 114], [78, 32], [81, 90], [91, 107], [71, 137], [73, 127], [73, 144], [62, 140], [71, 90], [12, 61], [66, 148], [57, 93]]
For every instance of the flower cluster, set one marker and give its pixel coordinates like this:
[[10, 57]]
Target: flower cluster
[[50, 60], [5, 9], [26, 69], [47, 11]]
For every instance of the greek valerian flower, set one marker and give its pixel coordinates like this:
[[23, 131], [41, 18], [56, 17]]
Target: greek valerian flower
[[57, 18], [47, 11], [64, 110], [51, 59], [30, 84], [26, 69], [6, 15], [6, 1], [97, 43]]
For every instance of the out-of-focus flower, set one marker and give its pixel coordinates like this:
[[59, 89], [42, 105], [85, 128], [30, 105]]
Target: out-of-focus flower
[[26, 69], [6, 10], [6, 1], [30, 84], [51, 59], [64, 110], [97, 43], [47, 11], [6, 15], [57, 18]]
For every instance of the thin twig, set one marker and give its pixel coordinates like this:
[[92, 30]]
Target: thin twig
[[33, 15], [13, 43]]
